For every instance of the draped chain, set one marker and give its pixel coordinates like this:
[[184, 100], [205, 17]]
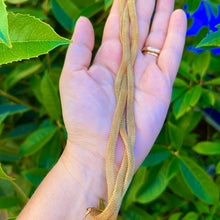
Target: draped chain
[[117, 184]]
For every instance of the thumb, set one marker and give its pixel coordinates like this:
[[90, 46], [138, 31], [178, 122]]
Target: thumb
[[79, 53]]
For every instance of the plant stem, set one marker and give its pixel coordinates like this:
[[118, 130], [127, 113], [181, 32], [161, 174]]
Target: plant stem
[[13, 98], [20, 191], [48, 62], [59, 124]]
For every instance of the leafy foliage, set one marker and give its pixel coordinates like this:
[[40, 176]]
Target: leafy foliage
[[212, 40], [199, 181], [4, 35], [3, 175], [25, 45], [180, 178]]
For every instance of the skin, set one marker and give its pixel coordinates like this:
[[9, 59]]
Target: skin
[[78, 181]]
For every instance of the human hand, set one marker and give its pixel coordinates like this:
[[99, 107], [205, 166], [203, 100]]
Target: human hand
[[87, 92]]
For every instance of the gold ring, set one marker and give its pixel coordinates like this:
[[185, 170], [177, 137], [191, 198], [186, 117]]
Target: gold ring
[[151, 50]]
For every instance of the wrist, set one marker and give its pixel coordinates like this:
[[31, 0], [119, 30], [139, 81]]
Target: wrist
[[62, 194], [87, 171]]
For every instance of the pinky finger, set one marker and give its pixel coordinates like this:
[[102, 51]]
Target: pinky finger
[[172, 50]]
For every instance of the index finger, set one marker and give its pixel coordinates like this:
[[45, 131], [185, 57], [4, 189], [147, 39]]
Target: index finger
[[112, 26]]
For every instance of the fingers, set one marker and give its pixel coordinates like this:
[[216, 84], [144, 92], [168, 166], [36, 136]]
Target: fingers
[[110, 52], [112, 26], [159, 27], [171, 53], [144, 13], [79, 53]]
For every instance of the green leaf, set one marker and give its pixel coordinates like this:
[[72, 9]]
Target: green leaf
[[214, 7], [199, 181], [191, 216], [214, 210], [175, 216], [8, 202], [214, 64], [108, 3], [212, 40], [215, 81], [62, 17], [207, 148], [189, 121], [180, 107], [193, 95], [23, 129], [217, 100], [201, 63], [177, 92], [92, 10], [193, 5], [66, 12], [215, 1], [3, 117], [208, 98], [155, 158], [35, 82], [157, 155], [85, 3], [13, 109], [176, 135], [11, 218], [179, 186], [173, 168], [156, 183], [50, 98], [70, 8], [180, 82], [54, 75], [6, 188], [137, 213], [35, 175], [51, 152], [200, 35], [137, 182], [8, 155], [218, 168], [202, 207], [1, 128], [4, 35], [22, 71], [185, 68], [15, 2], [184, 103], [30, 11], [170, 201], [37, 140], [26, 41], [3, 175]]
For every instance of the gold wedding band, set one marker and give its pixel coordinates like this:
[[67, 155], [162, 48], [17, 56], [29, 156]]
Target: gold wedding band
[[151, 50]]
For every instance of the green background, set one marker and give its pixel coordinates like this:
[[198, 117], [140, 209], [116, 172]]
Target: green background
[[180, 178]]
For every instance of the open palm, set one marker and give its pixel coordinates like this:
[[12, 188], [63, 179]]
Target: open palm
[[87, 92]]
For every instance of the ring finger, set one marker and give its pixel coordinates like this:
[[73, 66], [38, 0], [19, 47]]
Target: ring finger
[[159, 27]]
